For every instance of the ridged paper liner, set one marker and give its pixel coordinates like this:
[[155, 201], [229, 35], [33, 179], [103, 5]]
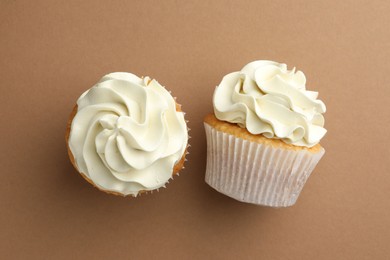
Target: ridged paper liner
[[256, 173]]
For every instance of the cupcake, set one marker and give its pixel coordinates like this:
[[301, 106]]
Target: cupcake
[[127, 135], [263, 138]]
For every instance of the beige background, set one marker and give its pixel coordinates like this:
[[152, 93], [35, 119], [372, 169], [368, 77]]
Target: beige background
[[51, 52]]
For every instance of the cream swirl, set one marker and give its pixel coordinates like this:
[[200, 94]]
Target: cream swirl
[[267, 98], [127, 135]]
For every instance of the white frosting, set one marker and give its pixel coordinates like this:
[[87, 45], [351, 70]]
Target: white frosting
[[127, 135], [268, 99]]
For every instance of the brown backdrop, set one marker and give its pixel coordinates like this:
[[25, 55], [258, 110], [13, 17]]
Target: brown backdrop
[[51, 52]]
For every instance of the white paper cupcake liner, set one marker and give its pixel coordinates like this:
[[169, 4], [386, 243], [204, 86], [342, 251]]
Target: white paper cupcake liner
[[256, 173]]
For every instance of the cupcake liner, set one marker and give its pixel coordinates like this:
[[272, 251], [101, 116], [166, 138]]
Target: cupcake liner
[[256, 173]]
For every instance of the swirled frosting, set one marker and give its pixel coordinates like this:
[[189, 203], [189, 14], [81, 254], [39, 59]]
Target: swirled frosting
[[127, 136], [267, 98]]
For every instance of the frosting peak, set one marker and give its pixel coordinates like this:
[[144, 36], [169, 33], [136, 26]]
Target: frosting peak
[[127, 135], [267, 98]]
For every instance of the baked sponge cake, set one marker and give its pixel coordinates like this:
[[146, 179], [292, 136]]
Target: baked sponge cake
[[263, 137], [127, 135]]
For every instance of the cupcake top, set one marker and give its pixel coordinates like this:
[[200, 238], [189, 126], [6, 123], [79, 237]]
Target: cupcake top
[[267, 98], [127, 134]]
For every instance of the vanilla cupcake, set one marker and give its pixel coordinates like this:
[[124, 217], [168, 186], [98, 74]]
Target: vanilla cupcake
[[127, 135], [263, 138]]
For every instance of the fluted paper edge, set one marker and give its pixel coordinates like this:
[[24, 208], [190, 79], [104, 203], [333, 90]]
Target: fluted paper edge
[[256, 173]]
